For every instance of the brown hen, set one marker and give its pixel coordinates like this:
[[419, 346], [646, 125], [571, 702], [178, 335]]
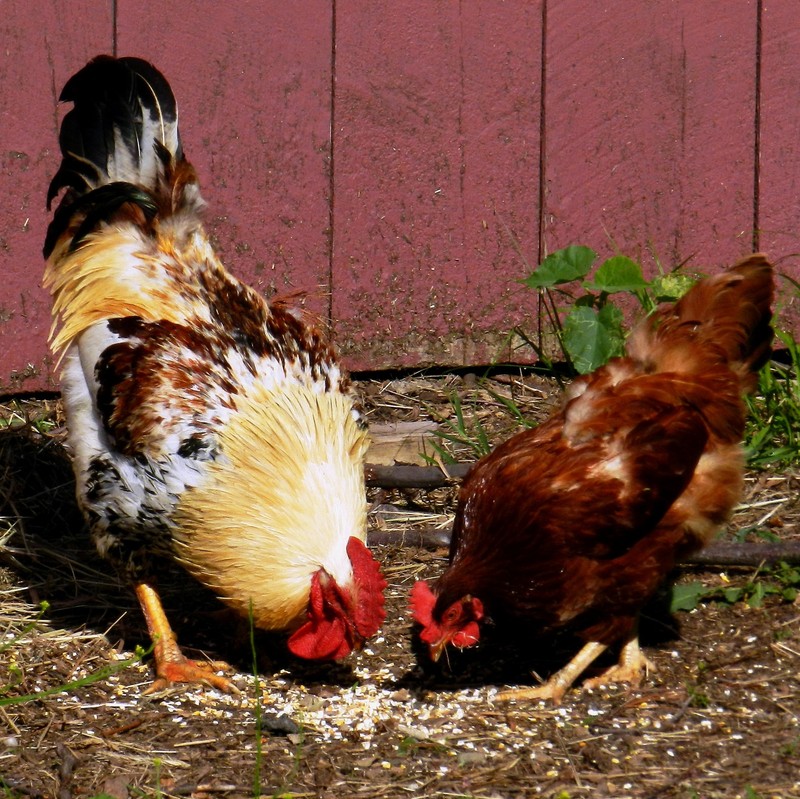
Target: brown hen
[[574, 524]]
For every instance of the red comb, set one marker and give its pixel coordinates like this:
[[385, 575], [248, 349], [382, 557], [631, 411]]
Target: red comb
[[333, 618], [368, 614], [422, 603]]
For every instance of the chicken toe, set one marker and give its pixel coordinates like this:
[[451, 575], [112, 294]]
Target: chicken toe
[[171, 669], [172, 666]]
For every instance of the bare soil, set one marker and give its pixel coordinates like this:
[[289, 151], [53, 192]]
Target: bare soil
[[719, 718]]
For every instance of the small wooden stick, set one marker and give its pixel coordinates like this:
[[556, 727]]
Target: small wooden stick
[[403, 475]]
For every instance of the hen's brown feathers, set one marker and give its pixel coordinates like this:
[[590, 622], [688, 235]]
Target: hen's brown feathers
[[720, 322]]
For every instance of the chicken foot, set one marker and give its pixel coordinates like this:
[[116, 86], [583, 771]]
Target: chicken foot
[[631, 667], [560, 682], [171, 664]]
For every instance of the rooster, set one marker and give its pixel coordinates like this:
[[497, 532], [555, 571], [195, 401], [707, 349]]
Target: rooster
[[575, 523], [205, 423]]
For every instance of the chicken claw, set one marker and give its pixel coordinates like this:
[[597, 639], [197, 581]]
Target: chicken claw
[[171, 669], [632, 666]]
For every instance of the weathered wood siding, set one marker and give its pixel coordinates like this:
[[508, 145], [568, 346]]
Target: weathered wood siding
[[404, 163]]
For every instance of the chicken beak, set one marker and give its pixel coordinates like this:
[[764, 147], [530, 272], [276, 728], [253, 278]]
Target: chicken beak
[[437, 649]]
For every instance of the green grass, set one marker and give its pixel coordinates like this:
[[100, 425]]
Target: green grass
[[458, 432], [463, 433], [772, 435], [97, 676], [773, 429], [16, 674], [20, 413], [259, 695], [591, 334]]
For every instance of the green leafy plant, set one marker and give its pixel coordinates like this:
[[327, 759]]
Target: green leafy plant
[[17, 414], [460, 432], [791, 749], [593, 329], [581, 312], [782, 580], [463, 430], [697, 697], [740, 536]]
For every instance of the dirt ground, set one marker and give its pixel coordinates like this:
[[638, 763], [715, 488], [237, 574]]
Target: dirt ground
[[720, 718]]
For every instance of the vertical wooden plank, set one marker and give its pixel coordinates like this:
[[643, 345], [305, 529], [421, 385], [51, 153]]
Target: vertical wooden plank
[[252, 79], [436, 167], [42, 44], [779, 172], [650, 131]]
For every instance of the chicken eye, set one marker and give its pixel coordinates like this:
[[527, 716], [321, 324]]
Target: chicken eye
[[452, 614]]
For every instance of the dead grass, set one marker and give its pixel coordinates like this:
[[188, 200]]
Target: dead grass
[[720, 718]]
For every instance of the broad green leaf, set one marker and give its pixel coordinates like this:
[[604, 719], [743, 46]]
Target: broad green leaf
[[617, 274], [587, 339], [612, 320], [789, 594], [732, 594], [686, 596], [562, 266], [756, 599]]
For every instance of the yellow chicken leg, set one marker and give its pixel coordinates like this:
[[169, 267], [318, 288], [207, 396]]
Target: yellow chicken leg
[[171, 664], [632, 666], [560, 682]]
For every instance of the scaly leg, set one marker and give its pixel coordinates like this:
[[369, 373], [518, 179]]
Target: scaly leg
[[560, 682], [171, 664], [632, 666]]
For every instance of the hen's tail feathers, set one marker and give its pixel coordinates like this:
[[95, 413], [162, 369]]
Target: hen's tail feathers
[[121, 137], [724, 319]]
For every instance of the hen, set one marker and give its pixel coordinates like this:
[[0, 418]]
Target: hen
[[205, 424], [575, 523]]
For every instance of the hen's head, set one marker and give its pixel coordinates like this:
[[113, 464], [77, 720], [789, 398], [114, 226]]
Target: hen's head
[[340, 618], [456, 623]]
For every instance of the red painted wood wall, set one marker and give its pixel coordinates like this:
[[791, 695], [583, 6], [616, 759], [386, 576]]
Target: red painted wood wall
[[406, 162]]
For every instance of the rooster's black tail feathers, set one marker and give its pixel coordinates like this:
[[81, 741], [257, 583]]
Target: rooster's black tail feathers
[[122, 132]]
